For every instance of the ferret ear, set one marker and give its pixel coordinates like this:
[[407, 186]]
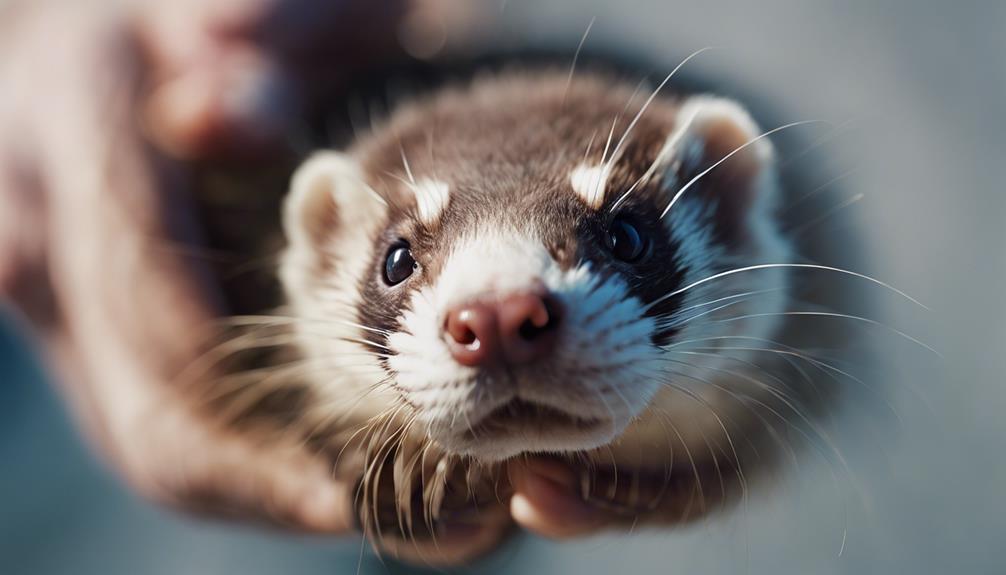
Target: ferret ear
[[328, 203], [719, 132]]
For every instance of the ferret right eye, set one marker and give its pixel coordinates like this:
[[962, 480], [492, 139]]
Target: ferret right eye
[[399, 264], [625, 241]]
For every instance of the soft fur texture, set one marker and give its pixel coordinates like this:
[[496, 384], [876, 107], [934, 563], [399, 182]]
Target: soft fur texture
[[508, 184]]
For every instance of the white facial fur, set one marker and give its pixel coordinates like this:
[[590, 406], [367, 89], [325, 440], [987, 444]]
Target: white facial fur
[[432, 197], [603, 350], [591, 183], [604, 367], [321, 296]]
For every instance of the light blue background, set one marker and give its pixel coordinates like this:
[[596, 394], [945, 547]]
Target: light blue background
[[923, 85]]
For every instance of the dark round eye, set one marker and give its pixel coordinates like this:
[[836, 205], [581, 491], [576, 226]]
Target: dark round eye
[[399, 264], [625, 241]]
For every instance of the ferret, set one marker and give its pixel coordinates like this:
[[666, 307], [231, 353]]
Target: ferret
[[538, 264]]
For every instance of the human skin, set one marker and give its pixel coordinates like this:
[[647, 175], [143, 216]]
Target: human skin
[[98, 130]]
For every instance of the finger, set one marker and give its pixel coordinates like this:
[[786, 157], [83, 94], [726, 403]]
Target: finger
[[546, 501], [231, 75], [220, 474], [124, 238], [135, 303], [185, 30], [238, 104], [303, 29]]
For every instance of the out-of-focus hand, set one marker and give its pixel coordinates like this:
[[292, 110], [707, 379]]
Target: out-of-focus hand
[[92, 218], [96, 114], [226, 75]]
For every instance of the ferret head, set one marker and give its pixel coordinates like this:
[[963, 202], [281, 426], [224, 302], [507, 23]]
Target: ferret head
[[500, 266]]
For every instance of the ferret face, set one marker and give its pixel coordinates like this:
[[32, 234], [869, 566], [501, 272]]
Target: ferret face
[[499, 264]]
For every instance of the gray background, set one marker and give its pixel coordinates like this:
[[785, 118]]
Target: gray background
[[921, 87]]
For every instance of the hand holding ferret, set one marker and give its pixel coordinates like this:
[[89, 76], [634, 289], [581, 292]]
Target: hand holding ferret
[[92, 216], [95, 202]]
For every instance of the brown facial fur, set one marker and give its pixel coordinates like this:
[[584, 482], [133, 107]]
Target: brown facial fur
[[507, 145]]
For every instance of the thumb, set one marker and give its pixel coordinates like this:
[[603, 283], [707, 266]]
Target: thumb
[[546, 500]]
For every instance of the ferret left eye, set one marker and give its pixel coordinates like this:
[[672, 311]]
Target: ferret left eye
[[625, 240], [399, 264]]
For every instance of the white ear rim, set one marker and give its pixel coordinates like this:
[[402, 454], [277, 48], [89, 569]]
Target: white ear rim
[[698, 112], [694, 115], [328, 176]]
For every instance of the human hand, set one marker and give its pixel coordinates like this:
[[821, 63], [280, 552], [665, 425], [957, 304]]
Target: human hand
[[92, 214], [94, 198]]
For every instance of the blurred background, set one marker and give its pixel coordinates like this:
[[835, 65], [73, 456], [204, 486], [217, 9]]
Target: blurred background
[[918, 88]]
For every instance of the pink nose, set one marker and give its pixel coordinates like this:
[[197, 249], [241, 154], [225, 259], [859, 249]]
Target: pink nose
[[516, 330]]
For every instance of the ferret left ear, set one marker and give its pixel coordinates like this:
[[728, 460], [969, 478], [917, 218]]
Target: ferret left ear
[[741, 187], [329, 201], [329, 214]]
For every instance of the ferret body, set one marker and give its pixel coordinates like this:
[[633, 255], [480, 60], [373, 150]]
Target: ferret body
[[539, 264]]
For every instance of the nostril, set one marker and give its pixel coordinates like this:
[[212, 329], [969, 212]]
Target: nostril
[[467, 338], [471, 334], [543, 317], [517, 329], [528, 326], [459, 326]]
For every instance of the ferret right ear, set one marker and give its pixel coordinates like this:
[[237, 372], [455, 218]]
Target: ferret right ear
[[329, 201], [724, 159]]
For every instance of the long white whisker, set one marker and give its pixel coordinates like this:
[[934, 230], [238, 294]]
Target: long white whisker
[[787, 265], [366, 342], [736, 150], [271, 320], [728, 298], [662, 155], [792, 205], [865, 320], [405, 162], [611, 135], [632, 124], [576, 57], [685, 321], [798, 230]]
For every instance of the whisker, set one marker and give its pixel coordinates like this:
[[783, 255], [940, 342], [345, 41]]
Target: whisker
[[799, 230], [787, 351], [730, 297], [659, 160], [865, 320], [835, 132], [795, 203], [646, 104], [366, 342], [719, 419], [269, 320], [405, 163], [736, 150], [784, 265], [590, 145], [676, 323], [576, 56]]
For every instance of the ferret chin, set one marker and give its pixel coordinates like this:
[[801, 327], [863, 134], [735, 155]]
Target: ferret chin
[[532, 265]]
